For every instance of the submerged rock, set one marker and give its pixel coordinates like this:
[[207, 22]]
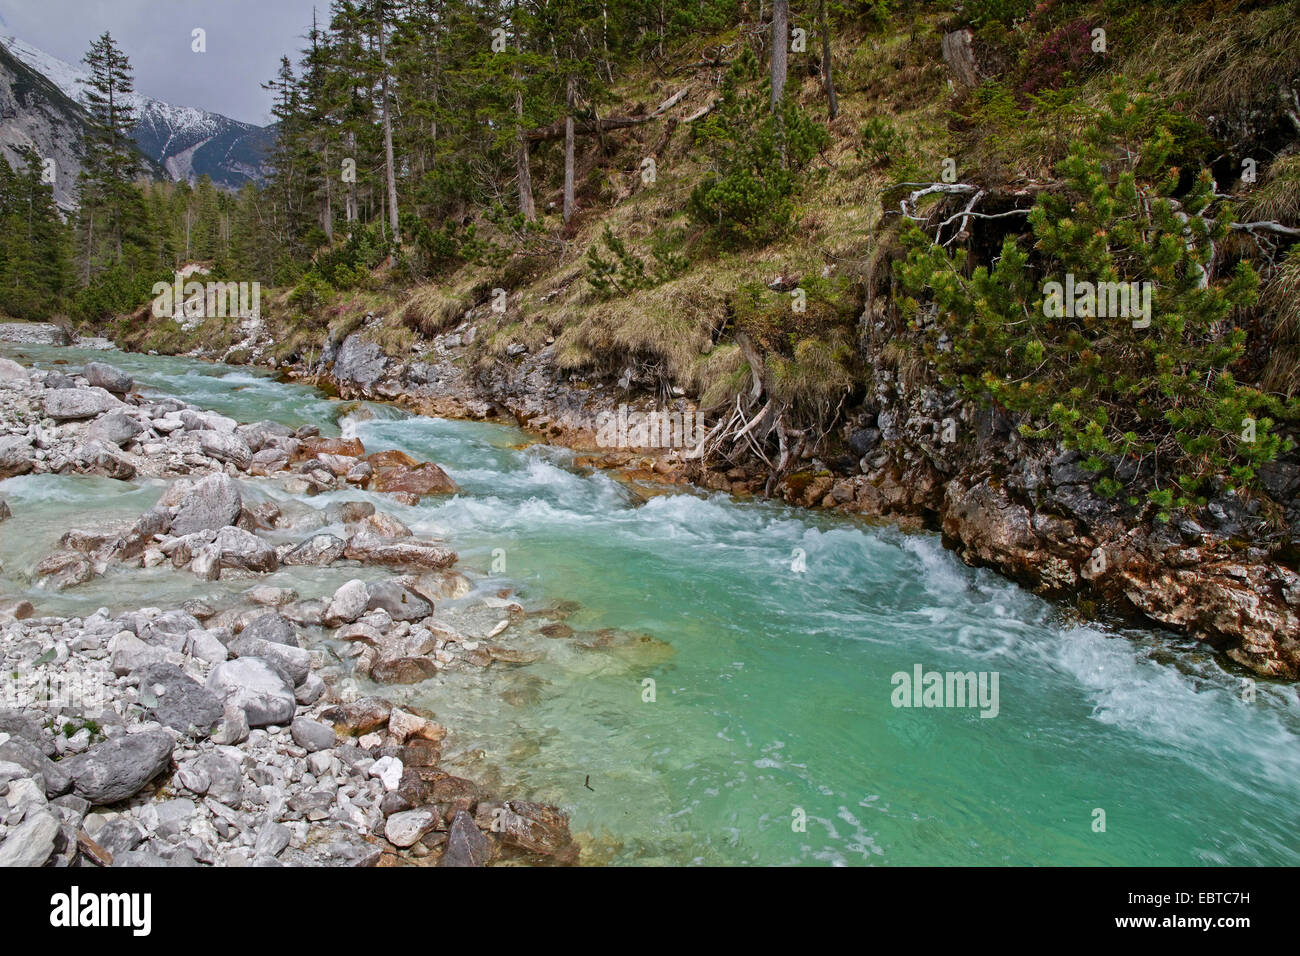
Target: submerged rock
[[359, 716], [537, 828], [65, 569]]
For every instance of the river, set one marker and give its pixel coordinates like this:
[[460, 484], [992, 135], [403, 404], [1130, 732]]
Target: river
[[758, 726]]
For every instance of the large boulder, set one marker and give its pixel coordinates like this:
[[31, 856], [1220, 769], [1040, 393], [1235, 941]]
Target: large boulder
[[293, 662], [404, 829], [401, 604], [225, 447], [12, 372], [197, 420], [312, 735], [108, 377], [69, 404], [102, 458], [413, 553], [29, 726], [16, 456], [272, 627], [267, 462], [360, 362], [175, 700], [224, 779], [261, 434], [170, 628], [32, 758], [424, 479], [238, 548], [348, 604], [117, 428], [31, 842], [466, 844], [119, 768], [208, 505], [130, 654], [256, 687], [317, 551]]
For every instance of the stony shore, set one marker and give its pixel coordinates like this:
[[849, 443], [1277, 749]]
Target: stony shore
[[237, 735]]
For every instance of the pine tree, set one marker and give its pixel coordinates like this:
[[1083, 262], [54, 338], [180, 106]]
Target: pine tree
[[111, 157], [1148, 399], [35, 274]]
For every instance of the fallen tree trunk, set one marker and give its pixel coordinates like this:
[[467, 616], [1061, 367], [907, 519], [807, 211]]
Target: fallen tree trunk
[[589, 127]]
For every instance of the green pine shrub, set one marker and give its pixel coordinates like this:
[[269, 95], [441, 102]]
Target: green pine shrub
[[1153, 410]]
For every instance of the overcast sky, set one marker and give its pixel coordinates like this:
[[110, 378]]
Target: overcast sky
[[245, 40]]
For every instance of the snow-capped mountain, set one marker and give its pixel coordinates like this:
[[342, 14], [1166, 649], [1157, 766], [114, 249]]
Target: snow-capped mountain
[[186, 141], [38, 121]]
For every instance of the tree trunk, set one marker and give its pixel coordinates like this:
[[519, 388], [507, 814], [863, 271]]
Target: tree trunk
[[351, 212], [828, 80], [389, 169], [570, 96], [960, 57], [526, 204], [328, 216], [780, 48]]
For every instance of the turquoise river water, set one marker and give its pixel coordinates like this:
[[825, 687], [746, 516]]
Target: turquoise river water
[[772, 687]]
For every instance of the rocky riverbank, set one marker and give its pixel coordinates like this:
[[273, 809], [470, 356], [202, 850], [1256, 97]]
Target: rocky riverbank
[[918, 456], [239, 733]]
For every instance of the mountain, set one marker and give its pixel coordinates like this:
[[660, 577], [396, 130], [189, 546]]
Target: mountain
[[35, 115], [186, 142]]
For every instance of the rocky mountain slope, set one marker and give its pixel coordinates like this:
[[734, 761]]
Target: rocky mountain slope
[[35, 115], [184, 141]]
